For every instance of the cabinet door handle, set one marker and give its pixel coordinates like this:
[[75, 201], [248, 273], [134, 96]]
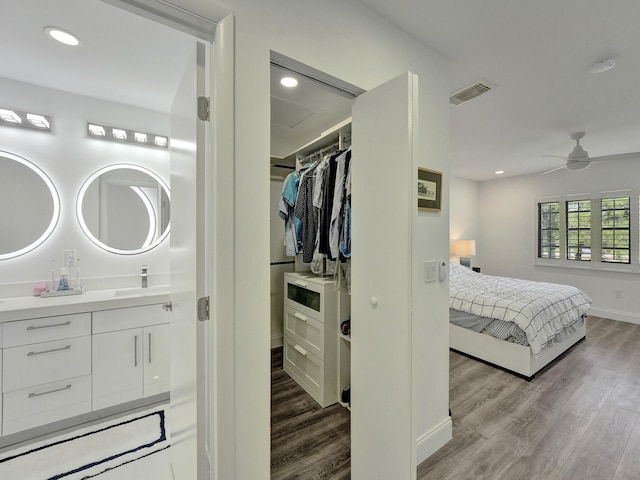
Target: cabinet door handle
[[37, 327], [301, 283], [68, 387], [149, 347], [31, 354], [300, 316], [301, 350], [135, 351]]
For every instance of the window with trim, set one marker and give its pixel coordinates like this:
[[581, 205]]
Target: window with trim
[[615, 230], [600, 230], [579, 230], [549, 230]]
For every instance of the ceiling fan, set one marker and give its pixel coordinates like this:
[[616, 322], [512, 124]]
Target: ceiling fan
[[579, 159]]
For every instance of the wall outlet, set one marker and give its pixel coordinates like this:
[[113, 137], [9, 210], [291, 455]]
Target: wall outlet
[[69, 258]]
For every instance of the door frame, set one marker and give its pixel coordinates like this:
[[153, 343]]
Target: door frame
[[216, 29]]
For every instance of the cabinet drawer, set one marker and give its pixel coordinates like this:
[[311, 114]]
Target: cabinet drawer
[[306, 331], [305, 295], [304, 368], [46, 362], [36, 330], [35, 406], [130, 317]]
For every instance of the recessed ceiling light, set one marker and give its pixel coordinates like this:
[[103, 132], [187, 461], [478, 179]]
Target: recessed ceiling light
[[603, 65], [289, 82], [62, 36], [499, 172]]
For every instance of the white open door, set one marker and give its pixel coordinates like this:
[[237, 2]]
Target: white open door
[[383, 441], [186, 277]]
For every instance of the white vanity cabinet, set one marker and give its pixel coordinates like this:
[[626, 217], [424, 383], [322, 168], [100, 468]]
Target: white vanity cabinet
[[46, 370], [130, 354]]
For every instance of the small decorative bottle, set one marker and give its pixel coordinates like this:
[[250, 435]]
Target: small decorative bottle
[[63, 283]]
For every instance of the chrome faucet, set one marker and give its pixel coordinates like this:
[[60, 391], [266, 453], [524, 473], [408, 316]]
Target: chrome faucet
[[144, 276]]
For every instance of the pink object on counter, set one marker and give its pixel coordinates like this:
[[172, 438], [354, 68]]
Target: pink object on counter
[[38, 288]]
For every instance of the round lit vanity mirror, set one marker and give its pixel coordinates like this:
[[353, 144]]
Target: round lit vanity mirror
[[124, 209], [29, 206]]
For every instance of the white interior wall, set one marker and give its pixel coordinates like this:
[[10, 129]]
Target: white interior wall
[[507, 241], [68, 157], [464, 223], [347, 41]]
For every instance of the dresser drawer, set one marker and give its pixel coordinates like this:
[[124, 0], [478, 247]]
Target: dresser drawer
[[35, 406], [304, 294], [305, 330], [46, 362], [37, 330], [306, 369]]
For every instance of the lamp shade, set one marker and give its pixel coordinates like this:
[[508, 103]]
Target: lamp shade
[[463, 248]]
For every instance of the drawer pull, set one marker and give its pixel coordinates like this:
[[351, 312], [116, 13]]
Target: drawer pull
[[37, 327], [150, 347], [300, 316], [300, 283], [135, 351], [300, 350], [31, 395], [31, 354]]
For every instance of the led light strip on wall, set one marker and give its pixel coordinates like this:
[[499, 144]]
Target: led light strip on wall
[[15, 118], [115, 134]]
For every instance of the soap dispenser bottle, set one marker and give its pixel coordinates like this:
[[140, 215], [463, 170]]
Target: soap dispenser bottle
[[63, 283]]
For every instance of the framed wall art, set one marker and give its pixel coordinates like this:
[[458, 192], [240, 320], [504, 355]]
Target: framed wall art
[[429, 190]]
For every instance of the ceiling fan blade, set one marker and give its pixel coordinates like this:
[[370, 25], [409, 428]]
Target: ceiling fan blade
[[618, 156], [555, 169], [555, 156]]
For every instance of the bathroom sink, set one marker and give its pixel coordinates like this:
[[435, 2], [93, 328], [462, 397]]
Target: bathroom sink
[[137, 291]]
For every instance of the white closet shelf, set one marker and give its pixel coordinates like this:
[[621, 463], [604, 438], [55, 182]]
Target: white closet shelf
[[327, 137]]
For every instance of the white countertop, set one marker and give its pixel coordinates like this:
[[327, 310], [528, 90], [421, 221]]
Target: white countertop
[[20, 308]]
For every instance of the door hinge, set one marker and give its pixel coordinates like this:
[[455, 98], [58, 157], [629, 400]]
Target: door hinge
[[203, 108], [203, 309]]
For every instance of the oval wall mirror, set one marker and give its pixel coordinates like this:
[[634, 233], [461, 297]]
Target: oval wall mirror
[[29, 206], [124, 209]]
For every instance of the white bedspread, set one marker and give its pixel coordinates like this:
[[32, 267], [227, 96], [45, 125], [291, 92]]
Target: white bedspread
[[540, 309]]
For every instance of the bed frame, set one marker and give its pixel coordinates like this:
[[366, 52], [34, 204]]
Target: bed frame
[[510, 356]]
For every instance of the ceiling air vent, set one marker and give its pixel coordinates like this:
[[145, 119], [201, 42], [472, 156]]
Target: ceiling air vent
[[471, 92]]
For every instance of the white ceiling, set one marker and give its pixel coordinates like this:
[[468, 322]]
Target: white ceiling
[[537, 53], [123, 58]]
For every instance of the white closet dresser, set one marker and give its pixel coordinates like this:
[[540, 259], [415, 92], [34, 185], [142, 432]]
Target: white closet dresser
[[313, 310]]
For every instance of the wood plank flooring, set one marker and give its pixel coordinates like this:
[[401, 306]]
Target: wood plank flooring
[[578, 419], [307, 441]]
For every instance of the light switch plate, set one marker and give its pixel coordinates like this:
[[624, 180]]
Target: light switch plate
[[430, 272]]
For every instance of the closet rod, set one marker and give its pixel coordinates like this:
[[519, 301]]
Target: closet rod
[[289, 167], [319, 152]]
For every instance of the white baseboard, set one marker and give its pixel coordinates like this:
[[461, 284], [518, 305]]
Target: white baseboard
[[277, 341], [433, 440], [615, 315]]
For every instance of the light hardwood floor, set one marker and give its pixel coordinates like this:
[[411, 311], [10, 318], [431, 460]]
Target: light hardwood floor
[[578, 419]]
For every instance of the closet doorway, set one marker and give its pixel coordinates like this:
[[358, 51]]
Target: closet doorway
[[317, 352], [310, 426]]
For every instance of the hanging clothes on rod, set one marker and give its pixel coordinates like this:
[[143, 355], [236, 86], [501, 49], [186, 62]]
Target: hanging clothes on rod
[[316, 208]]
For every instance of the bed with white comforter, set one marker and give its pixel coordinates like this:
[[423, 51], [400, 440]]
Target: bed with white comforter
[[551, 316]]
